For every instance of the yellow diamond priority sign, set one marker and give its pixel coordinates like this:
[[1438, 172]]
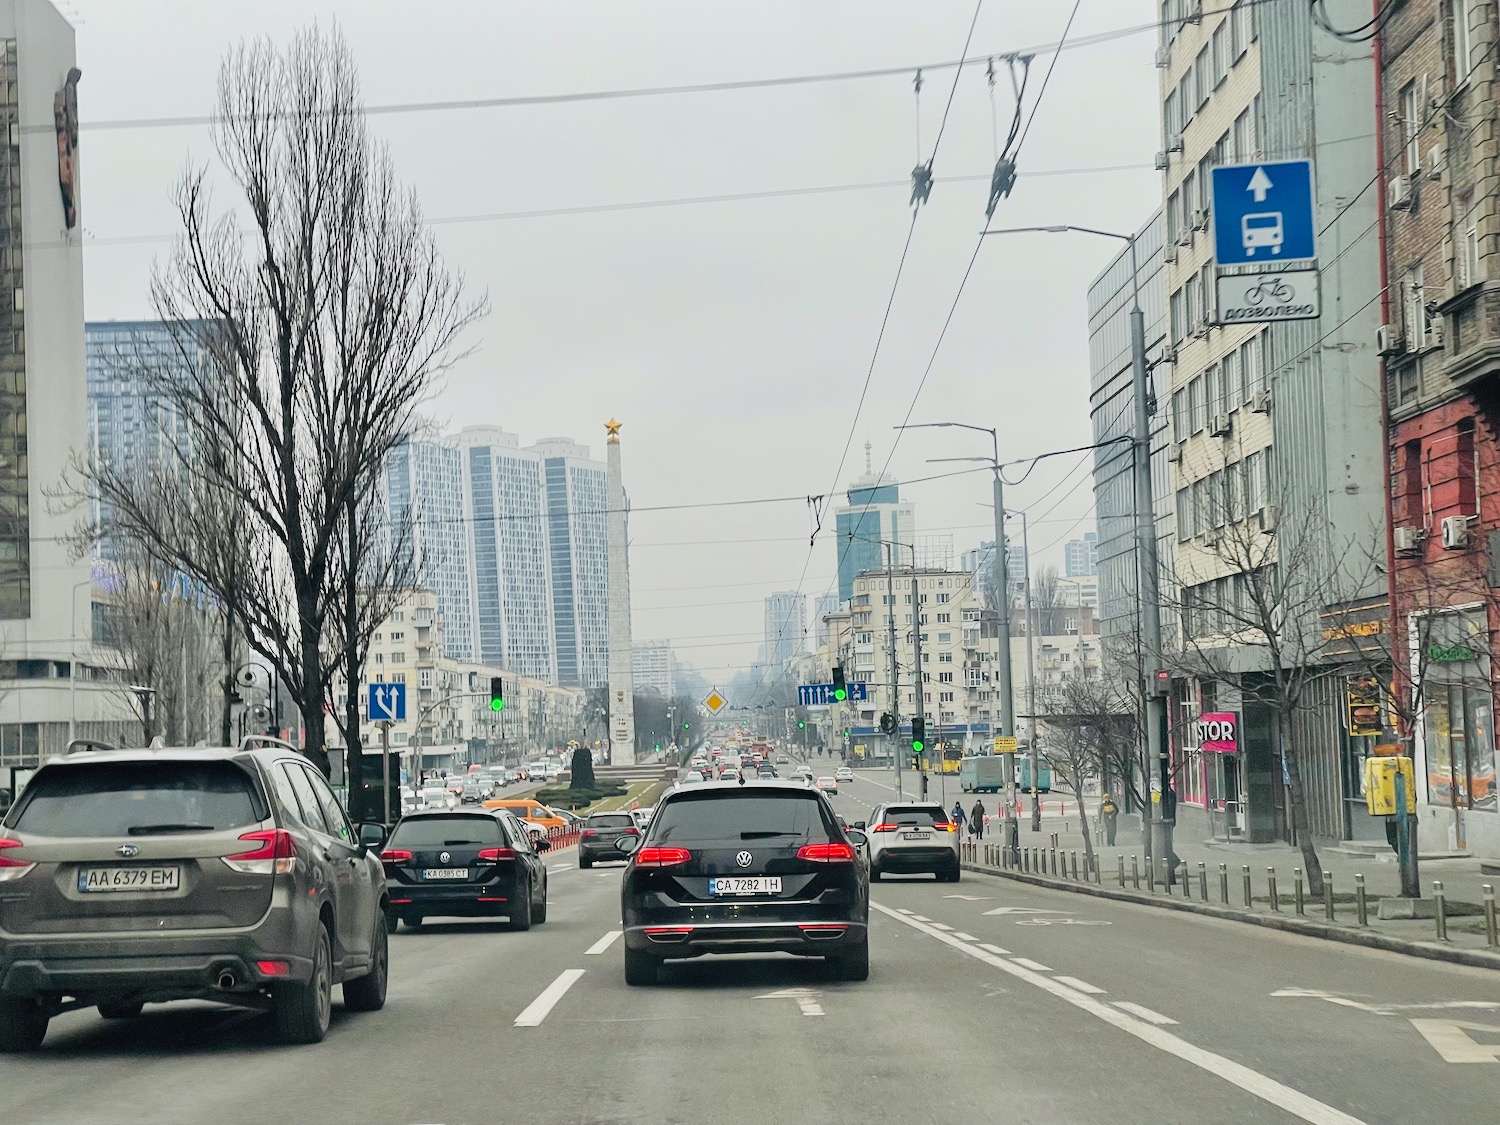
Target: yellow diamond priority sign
[[715, 702]]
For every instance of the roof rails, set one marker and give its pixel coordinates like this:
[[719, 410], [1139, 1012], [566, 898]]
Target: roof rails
[[89, 744], [265, 740]]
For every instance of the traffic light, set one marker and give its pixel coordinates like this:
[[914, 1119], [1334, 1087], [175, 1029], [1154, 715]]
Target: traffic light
[[887, 723], [801, 725], [840, 686], [497, 694], [918, 735], [687, 726]]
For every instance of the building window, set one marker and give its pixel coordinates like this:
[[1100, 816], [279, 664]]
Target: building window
[[1243, 149], [1183, 515], [1252, 377], [396, 636], [943, 657], [944, 619], [1196, 411], [1468, 478], [1202, 79], [1415, 299], [1411, 126], [1461, 40], [1220, 50], [944, 638], [945, 677], [1469, 272], [398, 658], [945, 697]]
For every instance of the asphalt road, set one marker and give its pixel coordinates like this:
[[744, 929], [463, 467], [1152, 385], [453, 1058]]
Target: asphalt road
[[988, 1001]]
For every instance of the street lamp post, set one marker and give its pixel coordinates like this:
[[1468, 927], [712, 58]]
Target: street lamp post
[[1154, 703]]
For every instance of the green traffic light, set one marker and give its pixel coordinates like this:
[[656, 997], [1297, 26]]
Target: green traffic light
[[917, 747], [840, 694], [801, 726], [497, 705]]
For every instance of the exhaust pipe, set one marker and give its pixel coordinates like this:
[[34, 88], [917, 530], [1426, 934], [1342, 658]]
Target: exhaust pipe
[[227, 980]]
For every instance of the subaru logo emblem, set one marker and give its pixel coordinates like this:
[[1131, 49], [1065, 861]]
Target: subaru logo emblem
[[443, 857], [127, 851], [743, 859]]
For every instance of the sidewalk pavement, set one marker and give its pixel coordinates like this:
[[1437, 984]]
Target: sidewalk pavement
[[1463, 881]]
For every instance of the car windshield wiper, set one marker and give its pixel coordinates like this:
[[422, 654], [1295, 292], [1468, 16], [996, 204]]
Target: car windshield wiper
[[762, 835], [161, 829]]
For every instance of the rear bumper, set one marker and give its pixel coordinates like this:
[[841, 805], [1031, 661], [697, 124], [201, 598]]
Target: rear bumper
[[590, 850], [809, 938], [916, 859], [466, 900]]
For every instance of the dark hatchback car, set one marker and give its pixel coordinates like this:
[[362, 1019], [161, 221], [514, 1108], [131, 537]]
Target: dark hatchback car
[[598, 839], [464, 863], [133, 877], [752, 867]]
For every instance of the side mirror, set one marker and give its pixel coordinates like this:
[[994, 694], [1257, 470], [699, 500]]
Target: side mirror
[[859, 824], [628, 844], [372, 833], [543, 845], [858, 838]]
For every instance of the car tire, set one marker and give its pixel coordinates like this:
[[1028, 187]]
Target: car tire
[[539, 910], [302, 1010], [641, 968], [874, 873], [585, 862], [120, 1011], [951, 875], [367, 993], [23, 1024], [412, 921], [520, 919], [854, 963]]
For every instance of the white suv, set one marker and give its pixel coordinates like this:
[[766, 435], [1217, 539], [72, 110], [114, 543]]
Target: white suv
[[912, 836]]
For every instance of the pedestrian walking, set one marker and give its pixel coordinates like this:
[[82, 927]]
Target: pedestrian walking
[[976, 820], [957, 816], [1109, 813]]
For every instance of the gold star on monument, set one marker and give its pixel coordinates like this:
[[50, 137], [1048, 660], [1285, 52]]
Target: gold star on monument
[[612, 428]]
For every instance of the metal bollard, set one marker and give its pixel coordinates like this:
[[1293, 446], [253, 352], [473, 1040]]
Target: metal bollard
[[1327, 897], [1135, 871], [1151, 874], [1073, 863], [1025, 859], [1440, 909], [1297, 887], [1166, 876], [1490, 937], [1271, 886], [1187, 882], [1121, 858], [1224, 883], [1052, 866], [1203, 880], [1245, 877], [1361, 907]]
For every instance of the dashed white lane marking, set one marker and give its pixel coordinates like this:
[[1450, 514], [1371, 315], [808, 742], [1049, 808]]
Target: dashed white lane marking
[[995, 949], [560, 867], [1034, 966], [602, 944], [537, 1010], [906, 911], [940, 926], [1145, 1013], [1081, 985], [1295, 1102], [963, 936], [921, 918]]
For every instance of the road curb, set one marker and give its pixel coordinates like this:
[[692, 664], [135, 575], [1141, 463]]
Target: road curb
[[1476, 958]]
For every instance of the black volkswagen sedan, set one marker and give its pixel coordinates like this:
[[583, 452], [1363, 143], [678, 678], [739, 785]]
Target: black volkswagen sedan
[[745, 867], [477, 863]]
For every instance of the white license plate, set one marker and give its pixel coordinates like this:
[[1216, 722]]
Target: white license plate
[[134, 878], [445, 873], [745, 885], [916, 835]]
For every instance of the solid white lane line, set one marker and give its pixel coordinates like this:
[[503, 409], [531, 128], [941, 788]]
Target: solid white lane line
[[940, 926], [995, 949], [537, 1010], [1081, 985], [1034, 966], [963, 936], [1145, 1013], [1295, 1102], [602, 944]]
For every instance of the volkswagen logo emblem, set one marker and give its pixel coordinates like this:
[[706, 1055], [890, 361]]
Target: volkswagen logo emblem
[[443, 857], [743, 859], [127, 851]]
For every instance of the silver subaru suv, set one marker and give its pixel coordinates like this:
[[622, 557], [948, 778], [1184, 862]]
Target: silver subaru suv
[[132, 877]]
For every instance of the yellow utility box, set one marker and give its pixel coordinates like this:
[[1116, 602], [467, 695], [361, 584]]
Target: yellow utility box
[[1380, 784]]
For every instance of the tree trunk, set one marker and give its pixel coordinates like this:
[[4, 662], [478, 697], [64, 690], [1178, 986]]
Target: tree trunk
[[310, 703], [226, 711], [1088, 841], [354, 773], [1310, 862]]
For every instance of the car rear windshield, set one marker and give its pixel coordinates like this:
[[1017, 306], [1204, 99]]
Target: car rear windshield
[[447, 831], [916, 815], [138, 799], [612, 820], [739, 816]]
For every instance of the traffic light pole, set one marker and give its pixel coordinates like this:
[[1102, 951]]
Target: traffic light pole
[[919, 677], [890, 590]]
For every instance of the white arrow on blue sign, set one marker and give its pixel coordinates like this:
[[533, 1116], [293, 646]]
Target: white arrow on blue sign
[[387, 703], [1263, 213], [821, 695]]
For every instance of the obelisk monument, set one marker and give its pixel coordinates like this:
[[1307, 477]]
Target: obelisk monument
[[621, 684]]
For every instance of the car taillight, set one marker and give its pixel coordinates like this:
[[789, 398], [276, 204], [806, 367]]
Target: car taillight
[[662, 857], [396, 855], [887, 827], [495, 855], [587, 833], [277, 854], [946, 827], [826, 853], [630, 831], [12, 868]]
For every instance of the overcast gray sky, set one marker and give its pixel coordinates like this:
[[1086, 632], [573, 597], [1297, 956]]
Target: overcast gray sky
[[731, 338]]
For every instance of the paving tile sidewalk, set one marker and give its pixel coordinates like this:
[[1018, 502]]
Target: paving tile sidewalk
[[1463, 881]]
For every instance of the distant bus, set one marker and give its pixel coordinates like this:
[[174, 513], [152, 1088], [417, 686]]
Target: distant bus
[[952, 757], [1023, 774]]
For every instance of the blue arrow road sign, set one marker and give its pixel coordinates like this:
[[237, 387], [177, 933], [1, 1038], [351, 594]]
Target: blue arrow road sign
[[387, 703], [821, 695], [1263, 213]]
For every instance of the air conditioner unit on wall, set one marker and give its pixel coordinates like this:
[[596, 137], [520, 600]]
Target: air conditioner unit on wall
[[1169, 253], [1388, 341], [1398, 193], [1408, 539], [1161, 162], [1219, 424], [1455, 533], [1200, 220], [1261, 403], [1163, 57], [1268, 518], [1174, 142], [1174, 452]]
